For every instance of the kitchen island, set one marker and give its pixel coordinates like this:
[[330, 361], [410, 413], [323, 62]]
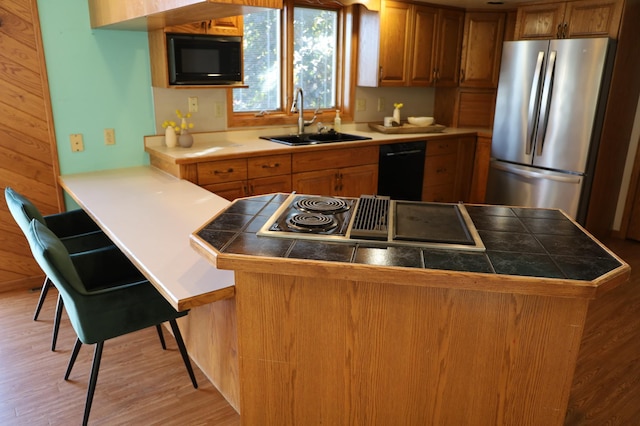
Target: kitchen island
[[356, 333]]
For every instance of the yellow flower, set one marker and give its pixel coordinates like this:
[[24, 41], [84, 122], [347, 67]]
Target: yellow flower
[[398, 105], [183, 125]]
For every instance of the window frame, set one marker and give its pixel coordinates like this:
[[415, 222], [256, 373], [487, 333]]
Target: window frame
[[343, 56]]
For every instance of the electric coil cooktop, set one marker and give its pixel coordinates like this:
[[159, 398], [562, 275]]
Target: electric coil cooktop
[[371, 219]]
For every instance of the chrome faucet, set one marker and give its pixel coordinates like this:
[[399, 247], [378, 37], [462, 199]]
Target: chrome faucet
[[299, 108]]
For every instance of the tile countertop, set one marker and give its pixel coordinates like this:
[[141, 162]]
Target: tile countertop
[[520, 242], [246, 142]]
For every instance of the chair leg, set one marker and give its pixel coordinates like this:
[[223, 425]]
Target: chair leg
[[183, 351], [43, 294], [97, 355], [56, 322], [161, 336], [72, 360]]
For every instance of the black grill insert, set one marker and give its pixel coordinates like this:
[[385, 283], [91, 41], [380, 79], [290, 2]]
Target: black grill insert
[[371, 220]]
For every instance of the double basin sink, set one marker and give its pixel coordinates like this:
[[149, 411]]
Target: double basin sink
[[314, 138]]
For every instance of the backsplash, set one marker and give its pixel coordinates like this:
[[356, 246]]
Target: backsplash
[[212, 105]]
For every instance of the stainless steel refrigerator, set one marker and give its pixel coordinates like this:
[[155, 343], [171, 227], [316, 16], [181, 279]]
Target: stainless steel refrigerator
[[548, 118]]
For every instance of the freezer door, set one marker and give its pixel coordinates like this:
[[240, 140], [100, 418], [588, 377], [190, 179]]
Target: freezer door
[[517, 101], [571, 88], [526, 186]]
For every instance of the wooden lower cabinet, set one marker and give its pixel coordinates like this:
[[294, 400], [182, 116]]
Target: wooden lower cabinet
[[347, 172], [346, 182], [244, 177], [448, 170]]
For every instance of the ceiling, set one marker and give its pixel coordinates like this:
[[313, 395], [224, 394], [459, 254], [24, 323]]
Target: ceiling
[[479, 4]]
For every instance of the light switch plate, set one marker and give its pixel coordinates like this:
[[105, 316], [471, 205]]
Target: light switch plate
[[109, 137]]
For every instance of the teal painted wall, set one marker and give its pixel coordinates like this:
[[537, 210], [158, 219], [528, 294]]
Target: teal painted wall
[[97, 79]]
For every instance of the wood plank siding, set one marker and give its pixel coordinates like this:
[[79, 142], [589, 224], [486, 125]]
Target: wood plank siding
[[28, 156]]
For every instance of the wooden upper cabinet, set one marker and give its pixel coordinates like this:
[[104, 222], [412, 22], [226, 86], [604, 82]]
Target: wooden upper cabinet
[[409, 44], [231, 26], [424, 41], [395, 43], [449, 46], [153, 15], [575, 19], [593, 18], [482, 49]]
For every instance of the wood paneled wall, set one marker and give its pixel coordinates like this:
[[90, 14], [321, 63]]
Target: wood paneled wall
[[28, 157]]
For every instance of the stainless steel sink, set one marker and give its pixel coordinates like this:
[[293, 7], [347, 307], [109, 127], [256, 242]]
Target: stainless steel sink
[[314, 138]]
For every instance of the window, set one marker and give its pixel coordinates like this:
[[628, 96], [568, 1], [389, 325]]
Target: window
[[272, 75]]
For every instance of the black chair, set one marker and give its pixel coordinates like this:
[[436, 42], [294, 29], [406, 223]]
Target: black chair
[[98, 308], [76, 230]]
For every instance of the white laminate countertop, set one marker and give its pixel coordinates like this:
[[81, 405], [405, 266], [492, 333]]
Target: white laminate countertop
[[150, 215], [212, 145]]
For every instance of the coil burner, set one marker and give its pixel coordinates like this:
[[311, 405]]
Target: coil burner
[[311, 214], [323, 205], [311, 222]]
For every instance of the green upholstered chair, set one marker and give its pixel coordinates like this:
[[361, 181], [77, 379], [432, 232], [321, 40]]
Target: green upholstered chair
[[76, 230], [98, 310]]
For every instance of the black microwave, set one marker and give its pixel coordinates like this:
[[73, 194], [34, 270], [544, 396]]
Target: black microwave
[[199, 59]]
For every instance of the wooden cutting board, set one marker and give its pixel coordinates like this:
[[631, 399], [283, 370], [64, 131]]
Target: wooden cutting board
[[407, 128]]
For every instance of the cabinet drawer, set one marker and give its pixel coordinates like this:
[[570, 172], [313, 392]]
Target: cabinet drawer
[[270, 184], [221, 171], [440, 169], [272, 165], [334, 158], [446, 146]]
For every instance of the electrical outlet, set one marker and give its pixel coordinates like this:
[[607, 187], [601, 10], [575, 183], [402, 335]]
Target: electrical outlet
[[361, 105], [380, 104], [219, 110], [193, 104], [109, 137], [77, 144]]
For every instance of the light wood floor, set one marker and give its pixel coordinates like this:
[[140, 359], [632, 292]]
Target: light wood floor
[[138, 384], [141, 384]]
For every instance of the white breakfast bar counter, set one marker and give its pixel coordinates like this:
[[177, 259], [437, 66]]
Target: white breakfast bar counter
[[150, 215]]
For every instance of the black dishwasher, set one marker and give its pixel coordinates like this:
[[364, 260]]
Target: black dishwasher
[[401, 170]]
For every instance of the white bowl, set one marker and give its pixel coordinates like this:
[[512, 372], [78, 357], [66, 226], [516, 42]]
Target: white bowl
[[420, 121]]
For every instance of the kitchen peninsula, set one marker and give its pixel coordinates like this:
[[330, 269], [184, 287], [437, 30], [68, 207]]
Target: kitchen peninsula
[[366, 333]]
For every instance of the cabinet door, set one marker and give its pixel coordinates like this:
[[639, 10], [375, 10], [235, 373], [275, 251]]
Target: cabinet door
[[424, 41], [229, 190], [540, 21], [356, 181], [449, 47], [592, 18], [199, 27], [231, 26], [395, 29], [268, 185], [482, 49], [320, 182]]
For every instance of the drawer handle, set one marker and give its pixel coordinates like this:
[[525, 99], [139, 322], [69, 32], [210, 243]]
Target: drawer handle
[[271, 166], [441, 170], [222, 172]]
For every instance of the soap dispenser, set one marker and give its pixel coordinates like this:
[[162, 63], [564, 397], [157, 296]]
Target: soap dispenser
[[337, 122]]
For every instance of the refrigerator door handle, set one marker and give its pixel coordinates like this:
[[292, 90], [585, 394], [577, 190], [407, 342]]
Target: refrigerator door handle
[[509, 168], [546, 102], [533, 102]]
